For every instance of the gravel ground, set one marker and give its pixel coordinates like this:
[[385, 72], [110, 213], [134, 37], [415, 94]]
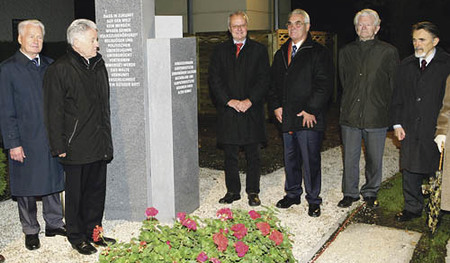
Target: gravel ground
[[309, 233]]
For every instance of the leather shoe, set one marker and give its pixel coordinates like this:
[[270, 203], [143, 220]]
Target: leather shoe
[[371, 201], [314, 210], [2, 259], [56, 231], [104, 241], [287, 202], [405, 215], [229, 198], [253, 200], [32, 242], [84, 248], [347, 201]]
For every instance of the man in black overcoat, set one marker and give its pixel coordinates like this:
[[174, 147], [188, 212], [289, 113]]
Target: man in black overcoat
[[417, 101], [239, 79], [34, 173], [301, 85]]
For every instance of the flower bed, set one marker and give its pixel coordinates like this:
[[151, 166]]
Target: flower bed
[[233, 236]]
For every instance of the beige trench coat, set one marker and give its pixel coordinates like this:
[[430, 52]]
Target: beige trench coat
[[443, 127]]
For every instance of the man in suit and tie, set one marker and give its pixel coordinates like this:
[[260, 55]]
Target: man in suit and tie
[[301, 85], [33, 171], [417, 101], [238, 80]]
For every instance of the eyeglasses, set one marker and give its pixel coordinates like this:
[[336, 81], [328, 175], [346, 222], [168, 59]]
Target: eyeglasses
[[295, 24], [239, 26]]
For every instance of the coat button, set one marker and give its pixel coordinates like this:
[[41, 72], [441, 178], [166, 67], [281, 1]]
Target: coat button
[[418, 99], [418, 119]]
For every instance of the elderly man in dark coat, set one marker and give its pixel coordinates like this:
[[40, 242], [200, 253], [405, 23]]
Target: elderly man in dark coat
[[33, 171], [301, 85], [416, 104], [238, 79]]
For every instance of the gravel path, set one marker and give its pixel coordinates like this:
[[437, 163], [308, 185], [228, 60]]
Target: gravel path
[[309, 233]]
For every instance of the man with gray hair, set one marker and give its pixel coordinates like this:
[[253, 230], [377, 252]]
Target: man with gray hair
[[34, 173], [77, 115], [366, 69], [301, 85]]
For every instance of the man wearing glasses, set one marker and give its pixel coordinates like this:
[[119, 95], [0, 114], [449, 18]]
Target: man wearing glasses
[[366, 70], [239, 79], [301, 85]]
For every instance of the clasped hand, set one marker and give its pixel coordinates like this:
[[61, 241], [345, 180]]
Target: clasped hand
[[240, 105]]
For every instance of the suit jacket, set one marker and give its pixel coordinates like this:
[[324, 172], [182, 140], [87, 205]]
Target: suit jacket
[[304, 84], [416, 102], [246, 76], [22, 122]]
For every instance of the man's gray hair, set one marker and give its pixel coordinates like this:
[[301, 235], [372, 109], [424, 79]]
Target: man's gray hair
[[78, 28], [368, 12], [238, 13], [35, 22], [300, 12]]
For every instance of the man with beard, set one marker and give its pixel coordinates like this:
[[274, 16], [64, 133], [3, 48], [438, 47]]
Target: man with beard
[[417, 101]]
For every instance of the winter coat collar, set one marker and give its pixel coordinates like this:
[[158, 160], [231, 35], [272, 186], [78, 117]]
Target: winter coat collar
[[82, 61]]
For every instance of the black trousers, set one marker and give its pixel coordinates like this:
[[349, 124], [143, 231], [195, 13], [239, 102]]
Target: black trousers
[[85, 199], [412, 190], [252, 156]]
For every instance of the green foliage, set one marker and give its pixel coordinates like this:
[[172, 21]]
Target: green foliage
[[3, 174], [179, 243]]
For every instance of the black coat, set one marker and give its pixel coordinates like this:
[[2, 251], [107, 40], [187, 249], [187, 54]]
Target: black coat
[[416, 104], [22, 123], [245, 77], [77, 111], [306, 84]]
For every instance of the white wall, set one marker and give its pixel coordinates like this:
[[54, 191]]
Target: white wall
[[56, 15]]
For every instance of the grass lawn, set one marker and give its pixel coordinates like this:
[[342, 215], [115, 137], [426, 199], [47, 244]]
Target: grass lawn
[[431, 248]]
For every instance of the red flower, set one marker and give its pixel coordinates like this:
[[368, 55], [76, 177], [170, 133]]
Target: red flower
[[224, 214], [277, 237], [189, 223], [202, 257], [143, 243], [97, 233], [221, 241], [214, 260], [239, 231], [241, 248], [181, 216], [264, 228], [253, 214], [151, 212]]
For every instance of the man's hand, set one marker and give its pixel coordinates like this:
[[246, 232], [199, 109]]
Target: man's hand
[[440, 141], [399, 133], [279, 114], [17, 154], [244, 105], [234, 104], [308, 119], [62, 155]]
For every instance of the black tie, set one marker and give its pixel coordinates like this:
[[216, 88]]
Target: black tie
[[423, 65], [35, 61]]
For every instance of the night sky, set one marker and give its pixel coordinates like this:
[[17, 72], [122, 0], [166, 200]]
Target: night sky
[[336, 16]]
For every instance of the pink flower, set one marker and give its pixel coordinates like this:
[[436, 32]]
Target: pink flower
[[241, 248], [143, 243], [214, 260], [239, 231], [224, 214], [181, 216], [277, 237], [189, 223], [202, 257], [264, 228], [151, 212], [254, 215], [221, 241], [97, 233], [168, 243]]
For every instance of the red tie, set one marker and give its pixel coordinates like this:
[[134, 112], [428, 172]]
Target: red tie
[[238, 48], [423, 65]]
